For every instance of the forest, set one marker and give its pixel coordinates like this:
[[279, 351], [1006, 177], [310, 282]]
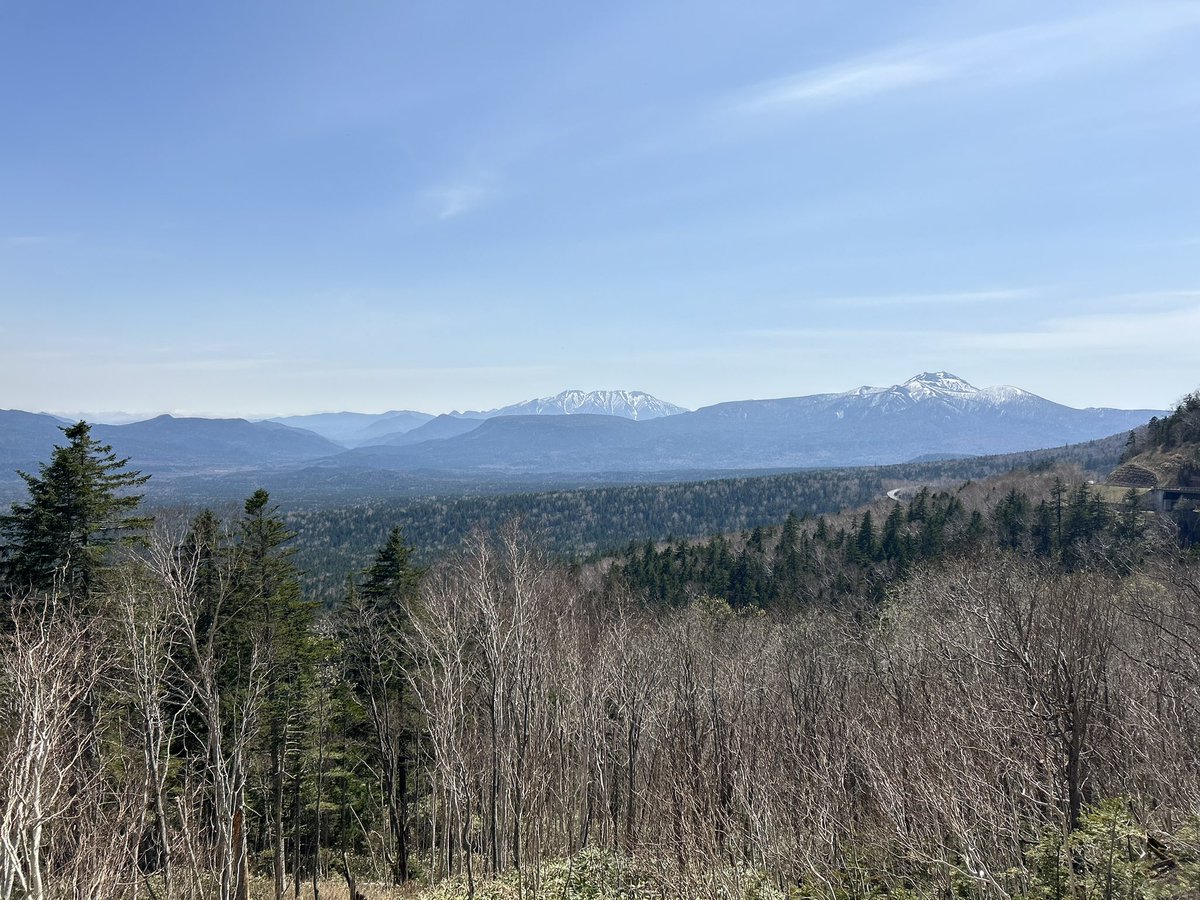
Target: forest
[[990, 690], [855, 556], [336, 538]]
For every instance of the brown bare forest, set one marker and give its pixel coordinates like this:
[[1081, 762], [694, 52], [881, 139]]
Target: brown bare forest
[[998, 727]]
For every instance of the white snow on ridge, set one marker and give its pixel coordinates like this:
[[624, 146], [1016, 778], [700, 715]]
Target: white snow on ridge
[[937, 387], [938, 384], [635, 405]]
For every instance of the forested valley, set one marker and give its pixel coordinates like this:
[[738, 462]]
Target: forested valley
[[987, 689], [336, 538]]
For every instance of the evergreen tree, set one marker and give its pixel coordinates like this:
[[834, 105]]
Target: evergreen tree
[[893, 545], [976, 528], [865, 542], [822, 532], [79, 510], [374, 626], [785, 562], [1058, 493], [391, 582], [1010, 517], [278, 624], [1043, 531]]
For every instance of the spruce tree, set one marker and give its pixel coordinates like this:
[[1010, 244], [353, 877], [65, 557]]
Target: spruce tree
[[865, 542], [1010, 517], [275, 623], [80, 509], [392, 580], [374, 626]]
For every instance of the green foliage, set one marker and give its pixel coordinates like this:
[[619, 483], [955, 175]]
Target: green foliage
[[373, 625], [804, 563], [1180, 428], [1106, 857], [79, 510], [1111, 857], [595, 874], [335, 540], [265, 644], [392, 581]]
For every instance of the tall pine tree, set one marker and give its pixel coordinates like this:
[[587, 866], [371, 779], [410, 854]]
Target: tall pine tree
[[80, 508], [374, 624]]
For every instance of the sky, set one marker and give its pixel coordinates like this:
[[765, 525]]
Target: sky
[[261, 208]]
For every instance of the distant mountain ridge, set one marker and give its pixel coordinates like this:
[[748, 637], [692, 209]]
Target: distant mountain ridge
[[353, 429], [931, 415], [166, 444], [635, 405]]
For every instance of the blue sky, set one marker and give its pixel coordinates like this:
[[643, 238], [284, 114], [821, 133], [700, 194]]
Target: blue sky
[[284, 207]]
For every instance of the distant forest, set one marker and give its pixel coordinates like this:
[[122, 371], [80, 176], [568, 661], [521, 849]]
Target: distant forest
[[851, 557], [337, 540]]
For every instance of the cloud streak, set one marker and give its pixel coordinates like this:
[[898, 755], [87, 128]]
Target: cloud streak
[[461, 198], [1126, 331], [1014, 55], [949, 298]]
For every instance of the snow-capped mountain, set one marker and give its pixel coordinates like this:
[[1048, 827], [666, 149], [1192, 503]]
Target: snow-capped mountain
[[635, 405], [931, 414], [939, 388]]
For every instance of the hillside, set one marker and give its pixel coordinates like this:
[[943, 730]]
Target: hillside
[[856, 603], [26, 438], [337, 538], [168, 445], [1166, 452]]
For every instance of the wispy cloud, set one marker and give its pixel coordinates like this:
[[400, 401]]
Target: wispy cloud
[[853, 81], [459, 198], [29, 240], [1128, 332], [1020, 54], [1139, 325], [949, 298]]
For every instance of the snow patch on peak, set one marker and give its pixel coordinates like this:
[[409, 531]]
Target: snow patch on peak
[[1006, 393], [933, 383], [636, 405], [941, 387]]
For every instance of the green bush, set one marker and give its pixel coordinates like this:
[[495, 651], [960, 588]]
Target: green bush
[[1106, 857]]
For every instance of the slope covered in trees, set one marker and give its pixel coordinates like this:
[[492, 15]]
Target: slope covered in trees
[[860, 554], [335, 539], [1164, 453]]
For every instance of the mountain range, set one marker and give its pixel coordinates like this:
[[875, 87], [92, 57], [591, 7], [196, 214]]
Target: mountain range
[[634, 405], [353, 429], [931, 414]]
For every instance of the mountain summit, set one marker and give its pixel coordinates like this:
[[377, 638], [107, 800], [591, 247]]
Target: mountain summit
[[939, 384], [634, 405], [939, 387]]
